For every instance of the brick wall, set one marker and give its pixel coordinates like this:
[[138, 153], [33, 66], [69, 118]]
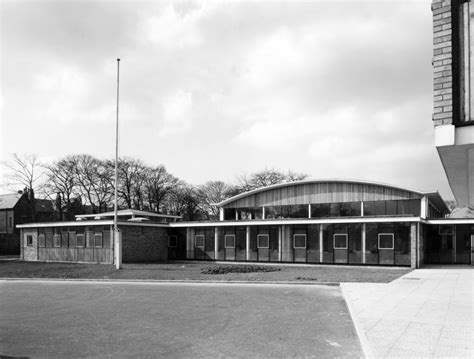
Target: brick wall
[[442, 62], [144, 244]]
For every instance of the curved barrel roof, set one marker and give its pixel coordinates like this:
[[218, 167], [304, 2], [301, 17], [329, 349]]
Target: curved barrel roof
[[326, 191]]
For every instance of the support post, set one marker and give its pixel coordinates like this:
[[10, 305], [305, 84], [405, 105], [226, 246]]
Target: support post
[[190, 243], [364, 233], [320, 243], [216, 243], [247, 243], [280, 229]]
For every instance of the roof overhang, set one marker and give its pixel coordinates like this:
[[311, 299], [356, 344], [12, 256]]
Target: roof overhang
[[90, 223], [455, 147], [272, 222]]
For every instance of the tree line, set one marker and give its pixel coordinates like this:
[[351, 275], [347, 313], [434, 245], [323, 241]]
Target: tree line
[[81, 183]]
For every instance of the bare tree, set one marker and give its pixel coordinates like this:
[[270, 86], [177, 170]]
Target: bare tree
[[183, 200], [62, 182], [267, 177], [24, 171], [158, 184], [131, 181], [210, 194], [94, 179]]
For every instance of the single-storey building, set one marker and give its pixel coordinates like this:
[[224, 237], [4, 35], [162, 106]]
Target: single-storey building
[[317, 222], [89, 239], [330, 222]]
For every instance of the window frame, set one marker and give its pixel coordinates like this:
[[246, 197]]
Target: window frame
[[203, 240], [294, 240], [29, 240], [56, 240], [175, 239], [258, 241], [98, 234], [42, 237], [83, 240], [386, 234], [225, 241], [334, 240], [446, 226]]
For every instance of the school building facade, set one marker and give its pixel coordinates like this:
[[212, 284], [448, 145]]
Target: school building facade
[[322, 221]]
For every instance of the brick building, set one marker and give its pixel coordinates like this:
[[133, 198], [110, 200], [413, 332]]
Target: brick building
[[16, 208], [89, 239]]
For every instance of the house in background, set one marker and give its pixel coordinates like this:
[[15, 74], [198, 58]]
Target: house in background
[[16, 208]]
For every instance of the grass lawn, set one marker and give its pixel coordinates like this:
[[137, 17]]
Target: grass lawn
[[206, 271]]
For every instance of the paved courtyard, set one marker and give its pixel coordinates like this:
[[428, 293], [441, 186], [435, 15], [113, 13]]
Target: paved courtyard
[[94, 319], [427, 313]]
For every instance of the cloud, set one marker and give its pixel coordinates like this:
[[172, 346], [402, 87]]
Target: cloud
[[177, 113], [173, 29]]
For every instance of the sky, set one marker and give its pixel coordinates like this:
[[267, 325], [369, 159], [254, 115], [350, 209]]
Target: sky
[[213, 90]]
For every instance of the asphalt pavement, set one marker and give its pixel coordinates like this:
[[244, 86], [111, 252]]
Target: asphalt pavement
[[59, 319]]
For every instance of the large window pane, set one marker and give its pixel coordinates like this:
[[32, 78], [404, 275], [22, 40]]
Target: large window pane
[[229, 214], [320, 210], [371, 243]]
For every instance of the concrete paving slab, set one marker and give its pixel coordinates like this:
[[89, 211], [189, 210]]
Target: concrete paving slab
[[427, 313]]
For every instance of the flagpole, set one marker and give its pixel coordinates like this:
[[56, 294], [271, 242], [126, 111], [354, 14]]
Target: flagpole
[[117, 239]]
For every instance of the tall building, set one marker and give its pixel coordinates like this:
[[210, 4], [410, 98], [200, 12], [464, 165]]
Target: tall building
[[453, 117]]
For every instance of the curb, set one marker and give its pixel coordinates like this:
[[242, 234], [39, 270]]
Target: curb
[[165, 281], [364, 342]]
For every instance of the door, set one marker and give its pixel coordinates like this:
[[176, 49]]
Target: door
[[299, 247], [340, 247]]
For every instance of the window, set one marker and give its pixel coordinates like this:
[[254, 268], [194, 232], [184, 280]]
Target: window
[[72, 237], [41, 238], [299, 241], [10, 222], [229, 241], [340, 241], [80, 240], [98, 240], [172, 241], [229, 214], [57, 238], [385, 240], [263, 241], [199, 240], [29, 241], [446, 230]]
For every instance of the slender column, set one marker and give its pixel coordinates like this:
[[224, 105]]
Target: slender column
[[221, 214], [362, 209], [280, 229], [424, 207], [263, 212], [236, 214], [309, 210], [414, 246], [364, 231], [247, 243], [454, 243], [216, 243], [320, 243], [190, 243]]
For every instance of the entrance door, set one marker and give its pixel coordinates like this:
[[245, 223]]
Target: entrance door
[[340, 247], [299, 247]]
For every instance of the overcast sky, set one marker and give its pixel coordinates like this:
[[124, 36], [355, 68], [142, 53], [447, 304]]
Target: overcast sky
[[212, 90]]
